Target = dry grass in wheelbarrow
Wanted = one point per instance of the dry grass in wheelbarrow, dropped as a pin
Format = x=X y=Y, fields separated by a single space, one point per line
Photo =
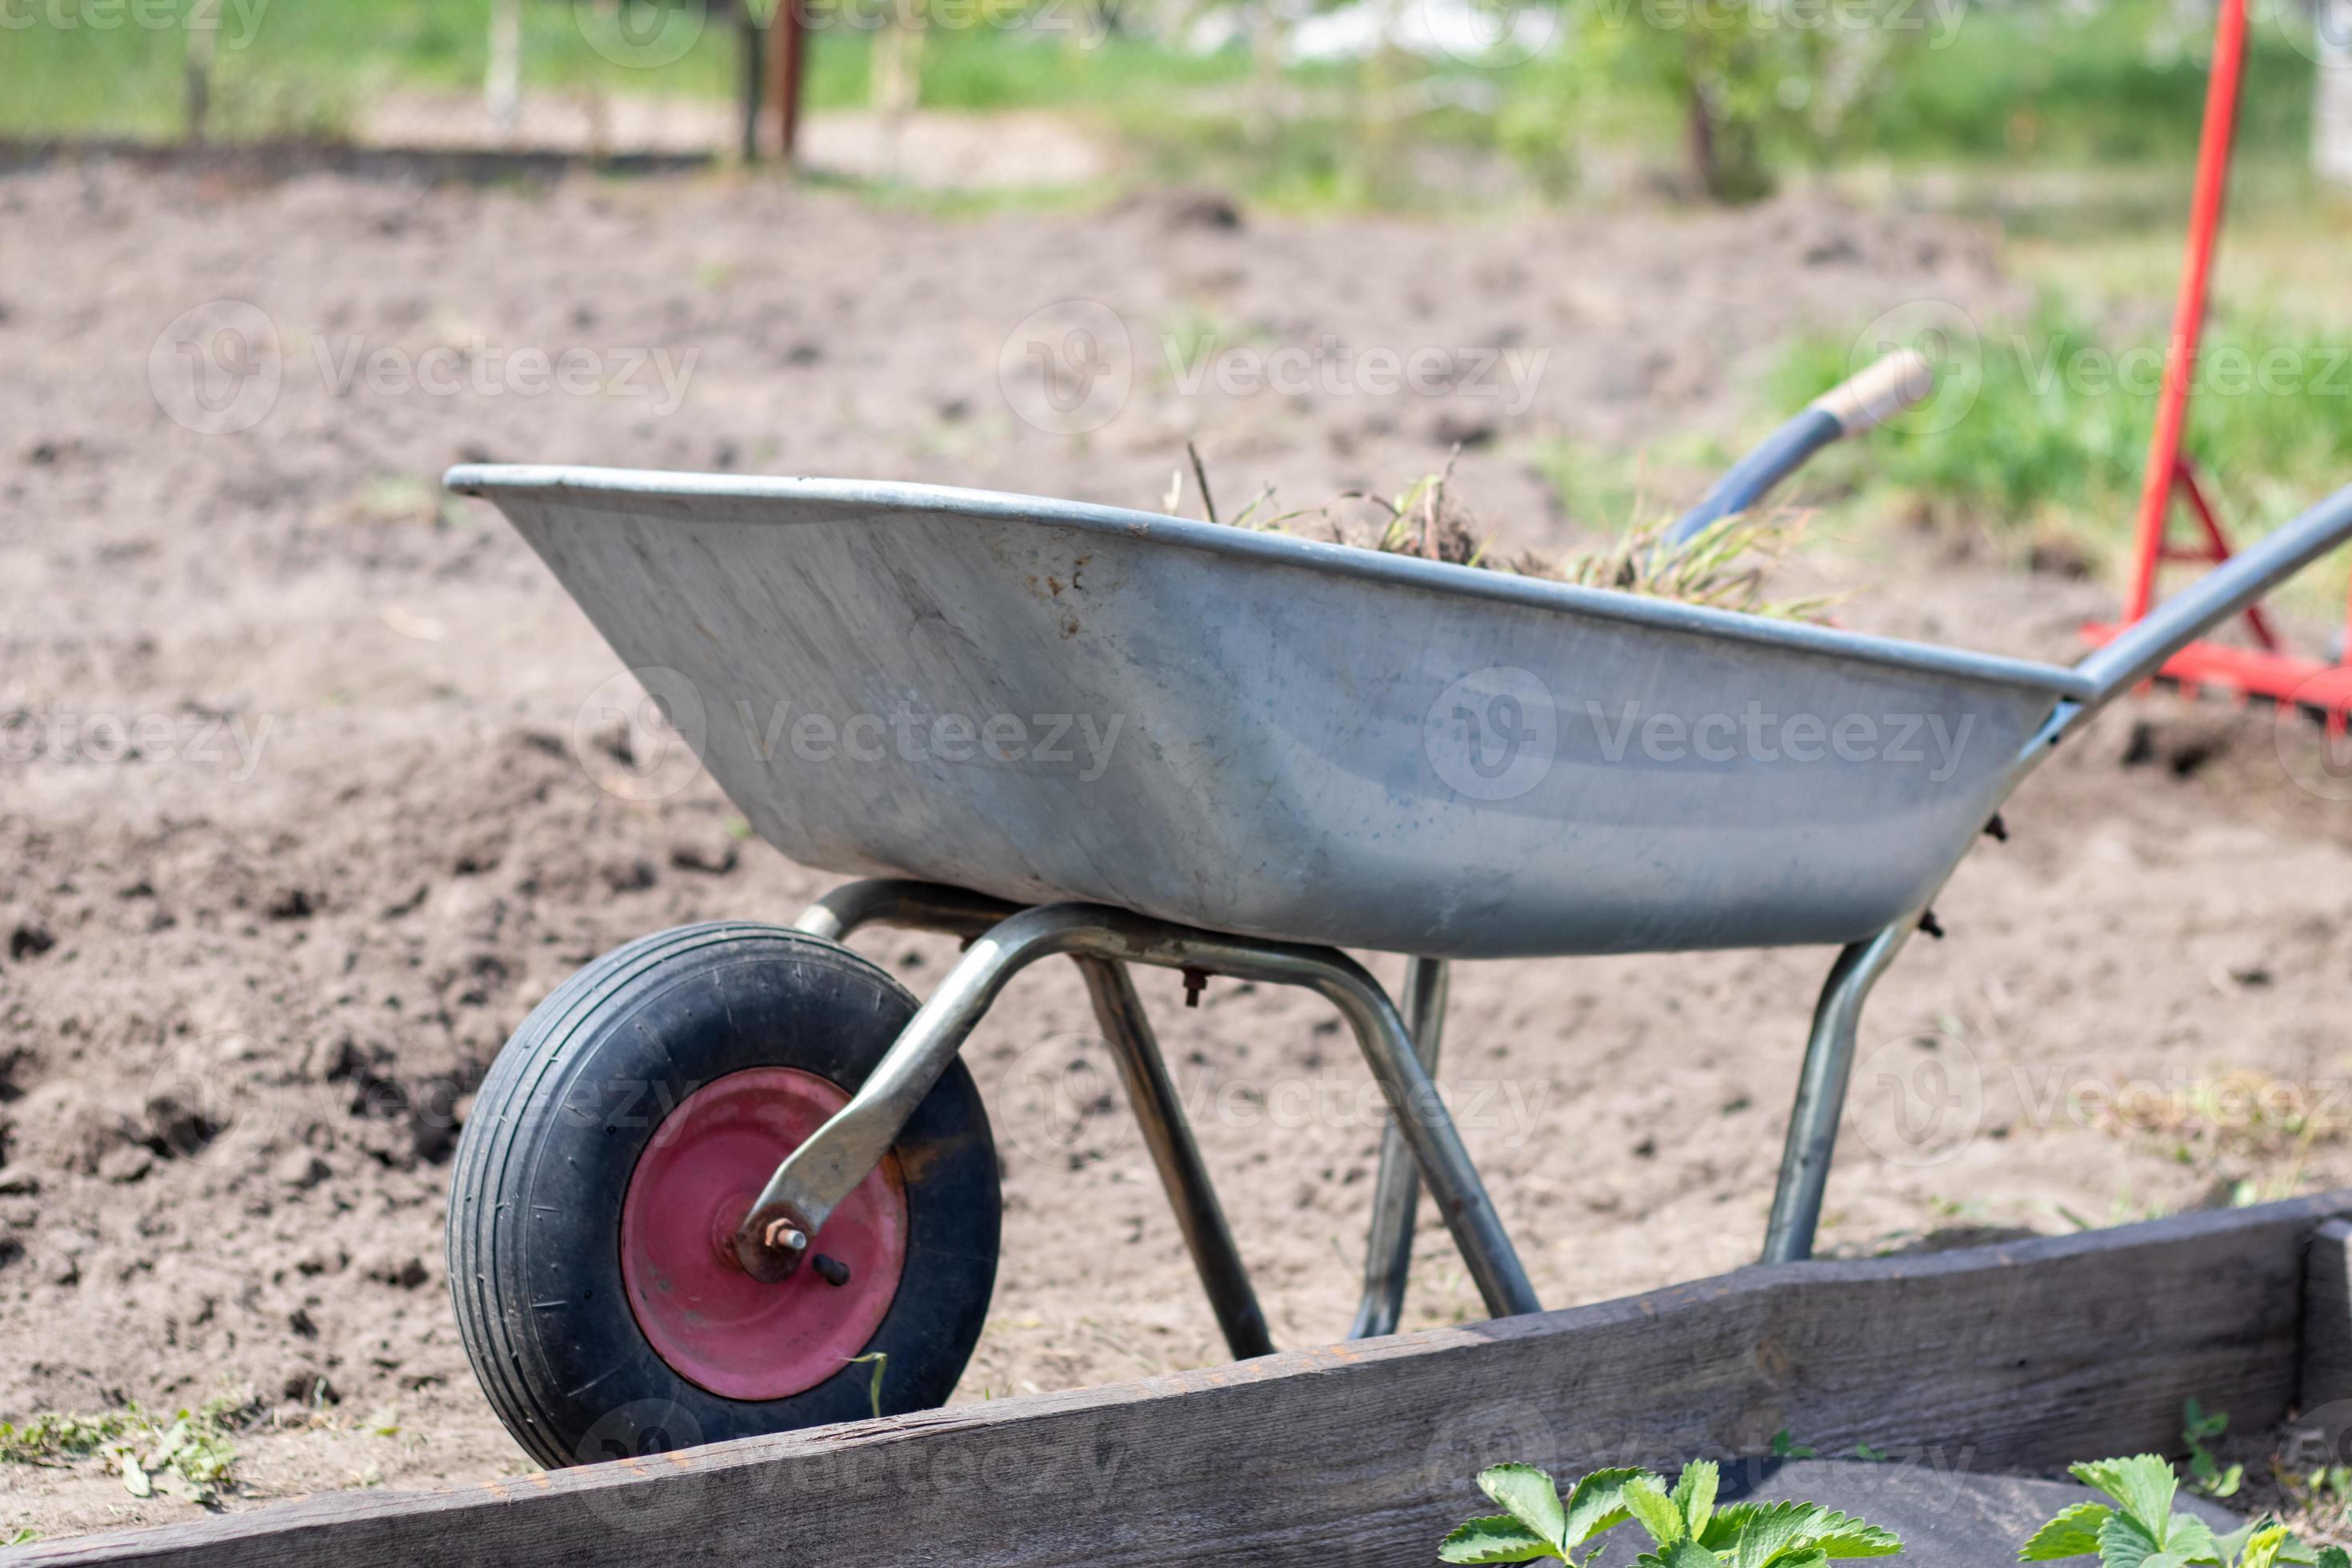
x=1727 y=566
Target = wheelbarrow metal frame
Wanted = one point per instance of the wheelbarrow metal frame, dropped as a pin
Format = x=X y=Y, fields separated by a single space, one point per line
x=808 y=1185
x=1159 y=1111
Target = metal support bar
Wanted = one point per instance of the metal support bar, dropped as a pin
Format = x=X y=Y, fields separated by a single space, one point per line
x=1821 y=1094
x=2136 y=654
x=891 y=901
x=1396 y=1193
x=1143 y=1071
x=814 y=1179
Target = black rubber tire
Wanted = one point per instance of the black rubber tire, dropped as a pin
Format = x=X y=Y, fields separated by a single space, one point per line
x=546 y=1156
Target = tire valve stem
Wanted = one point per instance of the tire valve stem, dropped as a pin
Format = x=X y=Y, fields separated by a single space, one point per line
x=832 y=1271
x=1931 y=925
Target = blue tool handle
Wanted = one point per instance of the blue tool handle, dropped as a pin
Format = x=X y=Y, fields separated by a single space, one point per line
x=1900 y=381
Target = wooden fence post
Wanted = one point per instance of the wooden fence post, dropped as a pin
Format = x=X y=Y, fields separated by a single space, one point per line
x=787 y=60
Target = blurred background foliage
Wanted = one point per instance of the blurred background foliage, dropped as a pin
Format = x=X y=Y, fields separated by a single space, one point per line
x=1272 y=99
x=2071 y=122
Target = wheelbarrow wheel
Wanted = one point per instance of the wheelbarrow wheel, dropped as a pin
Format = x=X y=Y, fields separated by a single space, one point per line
x=619 y=1138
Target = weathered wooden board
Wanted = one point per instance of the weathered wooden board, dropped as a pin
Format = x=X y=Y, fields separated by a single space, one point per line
x=2018 y=1357
x=2327 y=1328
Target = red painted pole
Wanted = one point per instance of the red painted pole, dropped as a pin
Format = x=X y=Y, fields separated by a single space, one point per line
x=2188 y=317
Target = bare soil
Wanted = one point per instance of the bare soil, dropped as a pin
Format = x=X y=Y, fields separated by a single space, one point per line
x=300 y=812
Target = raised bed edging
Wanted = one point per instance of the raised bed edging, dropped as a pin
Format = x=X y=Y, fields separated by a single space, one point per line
x=2017 y=1357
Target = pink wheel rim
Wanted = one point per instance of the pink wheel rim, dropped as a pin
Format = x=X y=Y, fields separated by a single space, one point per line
x=716 y=1326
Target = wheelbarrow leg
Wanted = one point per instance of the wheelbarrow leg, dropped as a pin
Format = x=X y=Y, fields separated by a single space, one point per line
x=1388 y=1254
x=818 y=1175
x=1820 y=1093
x=1143 y=1071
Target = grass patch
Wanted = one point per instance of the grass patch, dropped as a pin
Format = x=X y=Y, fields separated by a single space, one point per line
x=2122 y=83
x=2059 y=429
x=189 y=1454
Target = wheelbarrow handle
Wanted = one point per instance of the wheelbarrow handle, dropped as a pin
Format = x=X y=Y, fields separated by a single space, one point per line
x=1861 y=403
x=2142 y=648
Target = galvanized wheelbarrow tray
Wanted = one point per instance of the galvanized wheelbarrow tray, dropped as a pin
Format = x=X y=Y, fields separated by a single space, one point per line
x=1065 y=728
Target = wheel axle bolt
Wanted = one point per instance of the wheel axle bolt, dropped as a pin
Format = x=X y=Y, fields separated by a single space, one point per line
x=783 y=1232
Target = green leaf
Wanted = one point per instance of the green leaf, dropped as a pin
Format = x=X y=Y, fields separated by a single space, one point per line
x=2122 y=1544
x=1728 y=1522
x=1842 y=1535
x=1597 y=1502
x=134 y=1478
x=1680 y=1554
x=2334 y=1557
x=2073 y=1533
x=2263 y=1550
x=1498 y=1539
x=1527 y=1495
x=1690 y=1555
x=1695 y=1495
x=2190 y=1539
x=1656 y=1513
x=1800 y=1557
x=2146 y=1484
x=1756 y=1532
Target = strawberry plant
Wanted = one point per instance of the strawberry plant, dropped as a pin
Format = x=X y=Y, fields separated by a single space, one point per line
x=2205 y=1471
x=1683 y=1524
x=2140 y=1530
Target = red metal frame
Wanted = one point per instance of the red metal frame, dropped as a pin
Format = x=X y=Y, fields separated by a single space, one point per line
x=2267 y=671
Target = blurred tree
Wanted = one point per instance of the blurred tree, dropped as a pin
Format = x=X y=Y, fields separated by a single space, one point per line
x=1751 y=75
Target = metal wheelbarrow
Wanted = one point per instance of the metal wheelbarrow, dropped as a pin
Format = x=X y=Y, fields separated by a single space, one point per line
x=733 y=1178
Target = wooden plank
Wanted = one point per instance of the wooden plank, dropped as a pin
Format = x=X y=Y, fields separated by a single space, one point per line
x=2018 y=1357
x=2326 y=1384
